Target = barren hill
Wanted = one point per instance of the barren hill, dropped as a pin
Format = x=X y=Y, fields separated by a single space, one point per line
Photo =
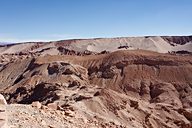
x=119 y=82
x=158 y=44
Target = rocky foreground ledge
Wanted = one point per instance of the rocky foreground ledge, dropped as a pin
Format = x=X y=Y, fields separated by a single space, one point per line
x=37 y=116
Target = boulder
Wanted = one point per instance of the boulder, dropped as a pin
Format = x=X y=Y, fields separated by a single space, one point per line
x=53 y=106
x=3 y=115
x=2 y=100
x=36 y=104
x=188 y=114
x=134 y=104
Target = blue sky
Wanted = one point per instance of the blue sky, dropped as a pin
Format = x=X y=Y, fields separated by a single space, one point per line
x=37 y=20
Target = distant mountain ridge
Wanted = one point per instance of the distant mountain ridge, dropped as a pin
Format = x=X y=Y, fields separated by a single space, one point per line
x=5 y=43
x=161 y=44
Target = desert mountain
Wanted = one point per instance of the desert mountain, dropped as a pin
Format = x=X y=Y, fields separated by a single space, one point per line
x=157 y=44
x=139 y=82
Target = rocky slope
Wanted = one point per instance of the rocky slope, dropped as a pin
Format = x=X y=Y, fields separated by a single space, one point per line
x=80 y=88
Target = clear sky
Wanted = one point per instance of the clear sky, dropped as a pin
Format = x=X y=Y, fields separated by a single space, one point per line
x=32 y=20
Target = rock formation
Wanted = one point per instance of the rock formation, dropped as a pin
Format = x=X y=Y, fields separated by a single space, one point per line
x=60 y=84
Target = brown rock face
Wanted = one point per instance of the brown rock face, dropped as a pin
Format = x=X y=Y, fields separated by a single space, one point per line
x=119 y=89
x=178 y=39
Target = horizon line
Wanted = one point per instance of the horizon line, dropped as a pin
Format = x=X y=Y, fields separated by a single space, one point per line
x=85 y=38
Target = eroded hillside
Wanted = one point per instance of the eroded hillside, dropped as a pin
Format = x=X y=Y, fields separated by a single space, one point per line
x=120 y=89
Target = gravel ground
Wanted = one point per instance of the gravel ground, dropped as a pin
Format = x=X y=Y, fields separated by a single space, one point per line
x=26 y=116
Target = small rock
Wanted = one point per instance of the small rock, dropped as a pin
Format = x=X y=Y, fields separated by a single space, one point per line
x=44 y=107
x=188 y=114
x=43 y=122
x=97 y=93
x=51 y=126
x=73 y=84
x=134 y=104
x=2 y=100
x=37 y=104
x=53 y=106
